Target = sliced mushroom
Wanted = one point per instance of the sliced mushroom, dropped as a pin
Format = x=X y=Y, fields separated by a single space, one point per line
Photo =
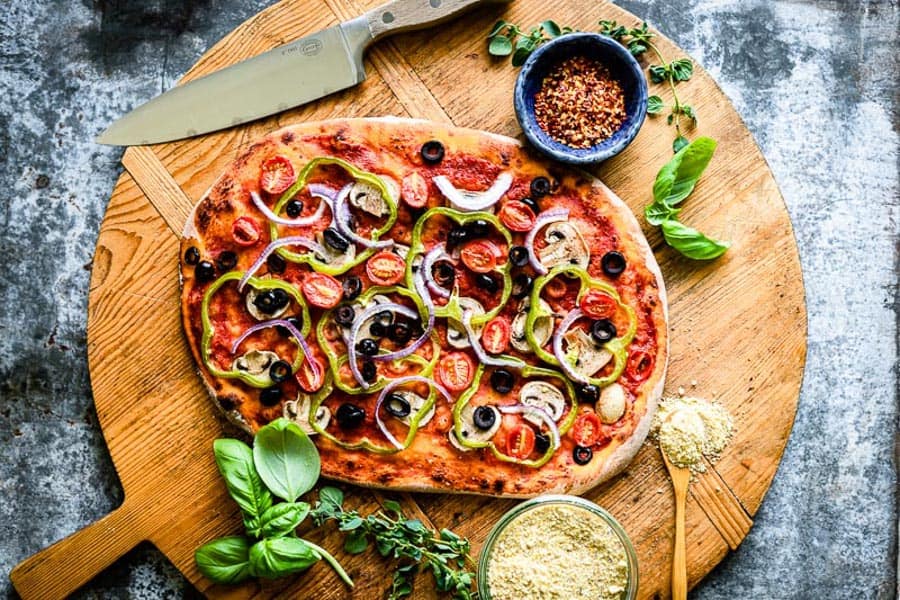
x=255 y=362
x=298 y=412
x=611 y=405
x=565 y=246
x=335 y=257
x=543 y=395
x=586 y=357
x=456 y=333
x=401 y=250
x=368 y=198
x=456 y=443
x=416 y=402
x=543 y=326
x=250 y=302
x=467 y=424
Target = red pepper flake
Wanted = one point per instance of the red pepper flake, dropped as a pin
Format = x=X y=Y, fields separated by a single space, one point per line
x=580 y=103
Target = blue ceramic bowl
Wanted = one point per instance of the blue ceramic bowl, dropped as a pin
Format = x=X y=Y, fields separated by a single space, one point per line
x=621 y=65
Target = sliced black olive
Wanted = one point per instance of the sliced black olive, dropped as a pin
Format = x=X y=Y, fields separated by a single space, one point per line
x=275 y=263
x=400 y=333
x=226 y=260
x=204 y=271
x=486 y=282
x=518 y=256
x=588 y=393
x=540 y=187
x=384 y=318
x=369 y=371
x=484 y=417
x=397 y=405
x=265 y=301
x=541 y=442
x=297 y=322
x=531 y=203
x=502 y=381
x=350 y=416
x=367 y=347
x=281 y=298
x=293 y=208
x=279 y=371
x=613 y=263
x=478 y=229
x=432 y=152
x=335 y=239
x=192 y=255
x=603 y=330
x=352 y=286
x=582 y=455
x=344 y=315
x=377 y=329
x=443 y=274
x=270 y=396
x=457 y=236
x=521 y=285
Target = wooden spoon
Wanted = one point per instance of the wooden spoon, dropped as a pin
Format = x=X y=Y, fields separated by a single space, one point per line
x=680 y=477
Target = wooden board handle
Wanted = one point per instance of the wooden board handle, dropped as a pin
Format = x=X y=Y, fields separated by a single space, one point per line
x=59 y=570
x=404 y=15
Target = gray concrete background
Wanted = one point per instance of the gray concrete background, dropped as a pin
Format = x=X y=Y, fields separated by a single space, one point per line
x=815 y=82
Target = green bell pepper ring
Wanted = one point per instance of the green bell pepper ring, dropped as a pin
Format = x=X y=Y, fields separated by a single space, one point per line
x=258 y=284
x=618 y=346
x=417 y=247
x=527 y=371
x=309 y=257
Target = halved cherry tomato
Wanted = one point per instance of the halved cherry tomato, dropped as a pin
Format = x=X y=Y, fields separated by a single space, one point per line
x=322 y=290
x=305 y=378
x=586 y=430
x=495 y=335
x=480 y=256
x=517 y=216
x=277 y=175
x=414 y=190
x=639 y=366
x=556 y=288
x=456 y=371
x=520 y=441
x=599 y=305
x=245 y=231
x=385 y=268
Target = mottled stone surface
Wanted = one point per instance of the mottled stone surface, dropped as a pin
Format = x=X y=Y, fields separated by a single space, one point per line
x=815 y=82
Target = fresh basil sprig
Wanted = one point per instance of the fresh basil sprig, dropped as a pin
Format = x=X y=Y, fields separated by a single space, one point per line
x=675 y=182
x=283 y=463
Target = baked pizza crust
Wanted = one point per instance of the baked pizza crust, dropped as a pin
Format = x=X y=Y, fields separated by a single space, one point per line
x=429 y=473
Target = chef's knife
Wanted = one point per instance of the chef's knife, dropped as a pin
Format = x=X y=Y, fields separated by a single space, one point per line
x=287 y=76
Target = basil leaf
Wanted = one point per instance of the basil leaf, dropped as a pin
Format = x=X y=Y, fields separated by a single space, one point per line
x=286 y=460
x=677 y=178
x=655 y=105
x=225 y=560
x=282 y=556
x=678 y=143
x=657 y=213
x=691 y=242
x=235 y=461
x=283 y=518
x=500 y=46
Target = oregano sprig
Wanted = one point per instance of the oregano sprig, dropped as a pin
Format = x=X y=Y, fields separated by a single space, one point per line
x=507 y=38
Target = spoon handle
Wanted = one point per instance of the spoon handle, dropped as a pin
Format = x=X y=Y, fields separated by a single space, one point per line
x=679 y=563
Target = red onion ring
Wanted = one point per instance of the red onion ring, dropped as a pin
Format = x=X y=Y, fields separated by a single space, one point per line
x=439 y=252
x=557 y=346
x=392 y=386
x=299 y=222
x=304 y=347
x=360 y=320
x=342 y=215
x=483 y=356
x=471 y=201
x=518 y=409
x=294 y=240
x=543 y=219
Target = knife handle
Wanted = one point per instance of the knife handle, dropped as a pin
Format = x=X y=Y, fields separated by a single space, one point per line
x=405 y=15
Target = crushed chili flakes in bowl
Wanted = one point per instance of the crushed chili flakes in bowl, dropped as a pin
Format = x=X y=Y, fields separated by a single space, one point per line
x=580 y=103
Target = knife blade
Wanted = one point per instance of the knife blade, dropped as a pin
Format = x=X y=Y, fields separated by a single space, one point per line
x=287 y=76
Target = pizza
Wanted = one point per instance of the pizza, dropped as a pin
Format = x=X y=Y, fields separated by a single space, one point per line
x=437 y=307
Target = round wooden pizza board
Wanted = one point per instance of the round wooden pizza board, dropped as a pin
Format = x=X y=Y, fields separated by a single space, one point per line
x=738 y=324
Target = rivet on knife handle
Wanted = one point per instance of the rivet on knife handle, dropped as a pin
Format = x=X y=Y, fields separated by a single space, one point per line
x=404 y=15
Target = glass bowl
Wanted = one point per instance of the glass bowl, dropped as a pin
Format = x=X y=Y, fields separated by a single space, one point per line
x=631 y=586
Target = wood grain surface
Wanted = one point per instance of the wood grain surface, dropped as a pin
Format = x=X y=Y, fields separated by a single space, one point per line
x=738 y=324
